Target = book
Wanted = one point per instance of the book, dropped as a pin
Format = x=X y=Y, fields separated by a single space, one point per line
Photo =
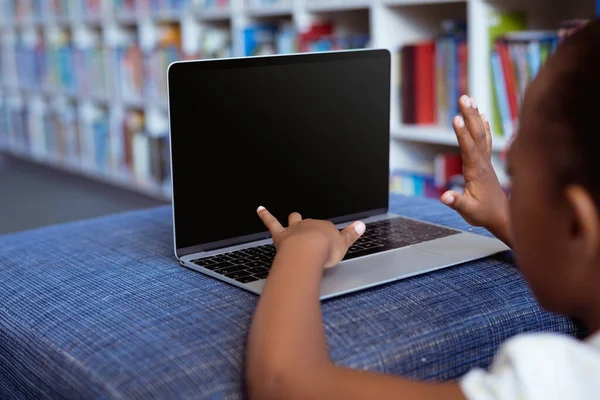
x=502 y=106
x=510 y=82
x=501 y=23
x=447 y=166
x=408 y=84
x=424 y=88
x=126 y=59
x=515 y=61
x=157 y=128
x=433 y=75
x=125 y=6
x=463 y=68
x=321 y=36
x=133 y=124
x=260 y=39
x=165 y=50
x=452 y=58
x=441 y=78
x=92 y=8
x=410 y=183
x=88 y=62
x=141 y=159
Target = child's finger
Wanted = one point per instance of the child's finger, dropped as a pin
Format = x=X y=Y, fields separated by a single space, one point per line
x=352 y=232
x=488 y=132
x=470 y=112
x=294 y=218
x=269 y=220
x=465 y=141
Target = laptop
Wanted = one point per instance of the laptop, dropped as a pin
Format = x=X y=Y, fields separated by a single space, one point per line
x=307 y=133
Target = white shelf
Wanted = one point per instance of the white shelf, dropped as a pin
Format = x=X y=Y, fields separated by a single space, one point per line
x=123 y=181
x=126 y=18
x=144 y=103
x=165 y=16
x=437 y=135
x=274 y=10
x=322 y=6
x=58 y=93
x=419 y=2
x=214 y=14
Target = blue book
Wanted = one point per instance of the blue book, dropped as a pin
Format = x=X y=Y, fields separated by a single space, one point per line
x=534 y=58
x=453 y=95
x=260 y=40
x=100 y=131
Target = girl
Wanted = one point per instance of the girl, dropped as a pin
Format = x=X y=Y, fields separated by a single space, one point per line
x=552 y=221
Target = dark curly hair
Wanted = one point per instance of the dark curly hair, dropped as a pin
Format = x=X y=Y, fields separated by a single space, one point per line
x=571 y=109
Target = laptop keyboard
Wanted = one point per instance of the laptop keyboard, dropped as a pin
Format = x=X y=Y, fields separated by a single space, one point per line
x=253 y=264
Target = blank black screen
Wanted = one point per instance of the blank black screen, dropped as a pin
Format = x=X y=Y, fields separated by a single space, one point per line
x=306 y=133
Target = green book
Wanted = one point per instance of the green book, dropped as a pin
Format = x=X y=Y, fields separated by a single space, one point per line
x=500 y=24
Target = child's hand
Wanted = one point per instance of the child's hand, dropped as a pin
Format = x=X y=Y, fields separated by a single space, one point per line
x=483 y=203
x=321 y=234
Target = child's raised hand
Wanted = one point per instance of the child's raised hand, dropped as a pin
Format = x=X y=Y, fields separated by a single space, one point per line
x=483 y=203
x=321 y=234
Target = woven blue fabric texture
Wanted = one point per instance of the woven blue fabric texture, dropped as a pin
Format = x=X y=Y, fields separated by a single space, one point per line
x=101 y=309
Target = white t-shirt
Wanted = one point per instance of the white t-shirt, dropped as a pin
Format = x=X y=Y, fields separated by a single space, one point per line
x=542 y=366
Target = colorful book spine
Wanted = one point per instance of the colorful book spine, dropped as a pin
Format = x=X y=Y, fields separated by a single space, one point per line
x=433 y=75
x=510 y=81
x=407 y=101
x=425 y=93
x=500 y=24
x=409 y=183
x=500 y=95
x=260 y=39
x=441 y=78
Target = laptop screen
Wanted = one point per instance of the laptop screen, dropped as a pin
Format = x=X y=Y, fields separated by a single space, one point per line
x=306 y=133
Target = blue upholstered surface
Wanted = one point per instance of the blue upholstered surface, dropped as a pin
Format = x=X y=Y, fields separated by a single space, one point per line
x=102 y=309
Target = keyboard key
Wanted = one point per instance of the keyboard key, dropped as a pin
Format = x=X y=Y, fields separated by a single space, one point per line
x=238 y=261
x=232 y=269
x=216 y=266
x=238 y=275
x=371 y=245
x=247 y=279
x=258 y=270
x=264 y=275
x=221 y=258
x=255 y=257
x=355 y=248
x=255 y=264
x=205 y=261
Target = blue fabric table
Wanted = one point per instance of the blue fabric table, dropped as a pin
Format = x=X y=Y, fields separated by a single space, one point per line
x=101 y=309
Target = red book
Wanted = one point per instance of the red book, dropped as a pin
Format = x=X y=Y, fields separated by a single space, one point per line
x=463 y=68
x=447 y=166
x=510 y=79
x=425 y=90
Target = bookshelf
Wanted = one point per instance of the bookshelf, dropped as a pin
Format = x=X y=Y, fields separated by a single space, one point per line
x=116 y=38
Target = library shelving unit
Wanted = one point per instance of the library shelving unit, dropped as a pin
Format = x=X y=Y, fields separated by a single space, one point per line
x=108 y=122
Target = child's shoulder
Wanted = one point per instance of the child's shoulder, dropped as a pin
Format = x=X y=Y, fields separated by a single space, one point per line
x=539 y=365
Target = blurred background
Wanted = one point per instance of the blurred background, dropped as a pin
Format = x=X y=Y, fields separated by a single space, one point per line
x=83 y=104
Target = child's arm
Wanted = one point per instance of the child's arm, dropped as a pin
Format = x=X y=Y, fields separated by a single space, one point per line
x=483 y=203
x=287 y=354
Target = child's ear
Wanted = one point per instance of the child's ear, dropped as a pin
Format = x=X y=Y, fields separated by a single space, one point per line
x=584 y=237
